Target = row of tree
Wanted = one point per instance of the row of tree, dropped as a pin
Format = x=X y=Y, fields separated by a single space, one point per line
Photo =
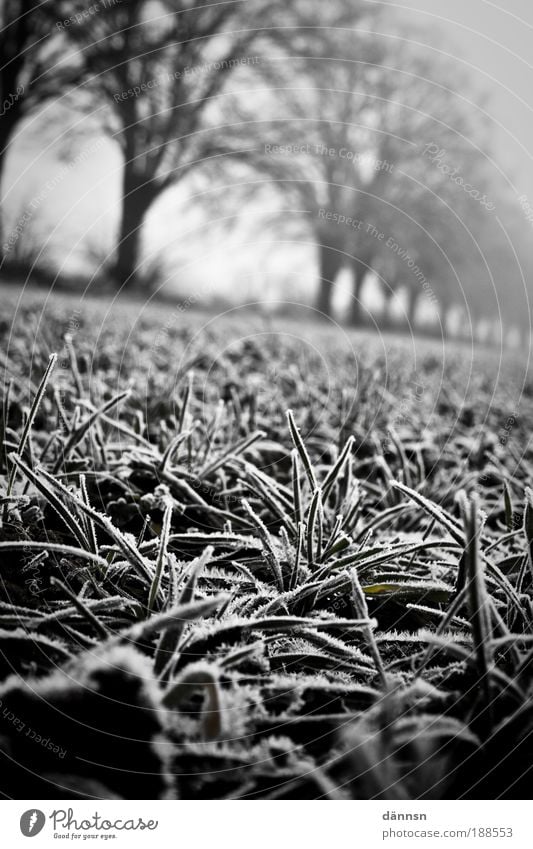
x=373 y=140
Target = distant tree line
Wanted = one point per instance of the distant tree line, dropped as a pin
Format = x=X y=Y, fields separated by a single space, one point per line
x=378 y=144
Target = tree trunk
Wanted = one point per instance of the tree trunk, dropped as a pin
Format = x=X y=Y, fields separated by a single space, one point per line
x=8 y=123
x=136 y=200
x=413 y=295
x=330 y=263
x=524 y=337
x=3 y=152
x=444 y=314
x=386 y=318
x=359 y=272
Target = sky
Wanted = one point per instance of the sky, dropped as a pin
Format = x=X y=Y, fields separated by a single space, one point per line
x=492 y=41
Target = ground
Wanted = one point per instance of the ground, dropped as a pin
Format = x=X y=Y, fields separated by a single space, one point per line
x=252 y=557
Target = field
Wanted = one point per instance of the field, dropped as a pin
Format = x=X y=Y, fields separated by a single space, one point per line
x=244 y=557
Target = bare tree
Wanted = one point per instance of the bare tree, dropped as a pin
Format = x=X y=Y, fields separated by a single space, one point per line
x=157 y=69
x=498 y=286
x=416 y=205
x=352 y=141
x=307 y=132
x=33 y=64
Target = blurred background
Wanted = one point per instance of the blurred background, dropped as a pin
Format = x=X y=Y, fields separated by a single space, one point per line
x=367 y=159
